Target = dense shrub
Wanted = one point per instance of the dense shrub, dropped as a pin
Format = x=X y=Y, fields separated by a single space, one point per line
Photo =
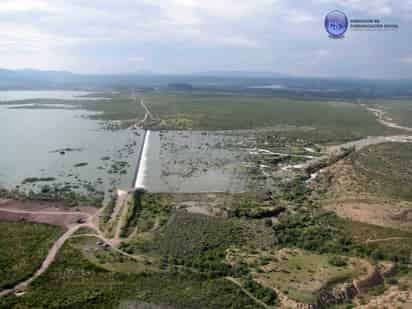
x=267 y=295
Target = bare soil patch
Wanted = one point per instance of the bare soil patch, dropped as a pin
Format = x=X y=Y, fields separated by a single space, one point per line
x=53 y=213
x=210 y=204
x=392 y=298
x=347 y=197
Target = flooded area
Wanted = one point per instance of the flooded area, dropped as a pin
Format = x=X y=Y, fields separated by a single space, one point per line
x=61 y=145
x=194 y=161
x=204 y=161
x=44 y=147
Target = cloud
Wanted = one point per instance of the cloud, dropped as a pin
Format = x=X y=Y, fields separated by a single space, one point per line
x=299 y=16
x=136 y=59
x=195 y=35
x=23 y=6
x=369 y=7
x=406 y=60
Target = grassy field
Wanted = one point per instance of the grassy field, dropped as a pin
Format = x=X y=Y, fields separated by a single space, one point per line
x=325 y=233
x=74 y=282
x=313 y=119
x=397 y=249
x=199 y=242
x=194 y=240
x=121 y=107
x=388 y=167
x=299 y=274
x=246 y=112
x=154 y=211
x=23 y=247
x=339 y=120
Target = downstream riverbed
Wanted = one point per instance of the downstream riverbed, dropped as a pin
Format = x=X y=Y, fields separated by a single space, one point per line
x=204 y=161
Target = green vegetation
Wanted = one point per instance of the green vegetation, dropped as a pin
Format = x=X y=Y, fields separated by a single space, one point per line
x=296 y=192
x=146 y=212
x=313 y=120
x=337 y=261
x=321 y=121
x=104 y=257
x=121 y=107
x=182 y=258
x=59 y=192
x=193 y=240
x=155 y=211
x=267 y=295
x=74 y=282
x=397 y=250
x=118 y=167
x=299 y=274
x=322 y=233
x=68 y=149
x=133 y=210
x=85 y=230
x=400 y=111
x=81 y=164
x=108 y=209
x=388 y=169
x=213 y=112
x=36 y=179
x=326 y=233
x=23 y=247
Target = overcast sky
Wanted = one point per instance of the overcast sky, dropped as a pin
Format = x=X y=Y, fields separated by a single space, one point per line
x=181 y=36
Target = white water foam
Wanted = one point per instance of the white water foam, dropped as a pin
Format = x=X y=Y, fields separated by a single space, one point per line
x=141 y=172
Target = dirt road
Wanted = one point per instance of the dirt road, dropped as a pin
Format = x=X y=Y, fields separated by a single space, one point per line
x=51 y=256
x=148 y=112
x=68 y=219
x=71 y=222
x=250 y=295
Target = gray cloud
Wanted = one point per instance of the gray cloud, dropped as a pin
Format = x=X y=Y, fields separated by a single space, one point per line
x=285 y=36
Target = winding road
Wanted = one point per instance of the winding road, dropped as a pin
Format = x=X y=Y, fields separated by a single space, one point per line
x=51 y=256
x=71 y=230
x=113 y=243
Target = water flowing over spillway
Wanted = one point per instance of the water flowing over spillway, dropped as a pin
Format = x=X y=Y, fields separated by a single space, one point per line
x=142 y=162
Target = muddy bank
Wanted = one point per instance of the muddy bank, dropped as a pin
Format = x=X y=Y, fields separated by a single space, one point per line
x=43 y=212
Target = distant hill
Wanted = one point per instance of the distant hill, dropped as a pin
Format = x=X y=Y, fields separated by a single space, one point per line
x=33 y=79
x=180 y=86
x=236 y=82
x=30 y=79
x=243 y=74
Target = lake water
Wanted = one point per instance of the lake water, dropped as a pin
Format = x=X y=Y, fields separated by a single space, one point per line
x=12 y=95
x=65 y=144
x=193 y=162
x=31 y=140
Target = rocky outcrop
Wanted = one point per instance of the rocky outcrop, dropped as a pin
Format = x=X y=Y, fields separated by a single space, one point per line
x=259 y=212
x=347 y=291
x=338 y=295
x=344 y=292
x=388 y=269
x=373 y=278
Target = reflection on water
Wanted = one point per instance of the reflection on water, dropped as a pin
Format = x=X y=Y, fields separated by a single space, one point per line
x=75 y=150
x=51 y=142
x=191 y=162
x=12 y=95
